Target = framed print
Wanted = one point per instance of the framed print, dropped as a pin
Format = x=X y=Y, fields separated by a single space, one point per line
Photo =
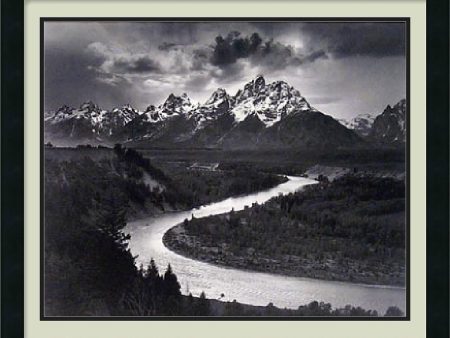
x=192 y=165
x=189 y=171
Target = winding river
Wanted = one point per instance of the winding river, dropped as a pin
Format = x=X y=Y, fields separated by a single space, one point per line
x=250 y=287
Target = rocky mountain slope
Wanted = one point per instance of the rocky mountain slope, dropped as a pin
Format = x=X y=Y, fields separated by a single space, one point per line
x=390 y=126
x=88 y=123
x=260 y=115
x=361 y=124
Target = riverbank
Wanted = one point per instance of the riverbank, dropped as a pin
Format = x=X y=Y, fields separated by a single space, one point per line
x=178 y=241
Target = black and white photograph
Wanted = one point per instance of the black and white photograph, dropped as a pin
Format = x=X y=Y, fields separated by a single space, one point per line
x=240 y=168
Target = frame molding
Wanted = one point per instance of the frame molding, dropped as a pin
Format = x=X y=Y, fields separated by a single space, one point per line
x=12 y=146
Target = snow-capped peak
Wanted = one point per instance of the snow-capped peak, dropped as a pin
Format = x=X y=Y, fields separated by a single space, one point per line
x=258 y=84
x=252 y=88
x=270 y=102
x=64 y=108
x=361 y=123
x=217 y=98
x=121 y=116
x=89 y=106
x=172 y=106
x=219 y=103
x=176 y=104
x=62 y=113
x=257 y=100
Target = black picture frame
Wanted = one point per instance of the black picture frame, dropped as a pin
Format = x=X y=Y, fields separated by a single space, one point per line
x=12 y=174
x=12 y=170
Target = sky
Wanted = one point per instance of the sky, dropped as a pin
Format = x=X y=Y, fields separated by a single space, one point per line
x=342 y=68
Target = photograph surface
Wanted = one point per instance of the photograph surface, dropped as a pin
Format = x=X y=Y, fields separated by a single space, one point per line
x=225 y=168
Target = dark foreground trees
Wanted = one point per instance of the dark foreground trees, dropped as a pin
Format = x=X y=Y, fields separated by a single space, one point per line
x=88 y=268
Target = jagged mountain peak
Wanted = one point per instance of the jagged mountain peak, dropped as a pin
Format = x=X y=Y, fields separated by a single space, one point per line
x=401 y=103
x=261 y=114
x=399 y=107
x=259 y=79
x=390 y=125
x=89 y=105
x=89 y=112
x=125 y=108
x=64 y=109
x=257 y=84
x=174 y=100
x=218 y=104
x=252 y=88
x=173 y=106
x=361 y=124
x=269 y=101
x=150 y=108
x=219 y=94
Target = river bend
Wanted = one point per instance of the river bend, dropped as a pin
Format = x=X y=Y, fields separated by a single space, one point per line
x=250 y=287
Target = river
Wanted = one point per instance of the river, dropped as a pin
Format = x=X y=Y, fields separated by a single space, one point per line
x=250 y=287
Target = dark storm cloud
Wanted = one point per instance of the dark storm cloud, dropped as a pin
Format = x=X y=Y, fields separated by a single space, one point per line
x=168 y=46
x=124 y=63
x=227 y=50
x=275 y=55
x=350 y=39
x=139 y=64
x=263 y=52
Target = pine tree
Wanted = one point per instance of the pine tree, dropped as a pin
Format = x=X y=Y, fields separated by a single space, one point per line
x=110 y=215
x=202 y=306
x=171 y=285
x=152 y=270
x=171 y=293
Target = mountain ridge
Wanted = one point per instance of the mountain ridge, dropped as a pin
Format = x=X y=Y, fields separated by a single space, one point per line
x=387 y=127
x=259 y=115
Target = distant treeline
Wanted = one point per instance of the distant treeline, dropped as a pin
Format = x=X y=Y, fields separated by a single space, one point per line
x=205 y=187
x=194 y=188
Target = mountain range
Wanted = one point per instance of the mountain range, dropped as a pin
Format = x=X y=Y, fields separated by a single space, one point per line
x=258 y=116
x=390 y=126
x=387 y=127
x=361 y=124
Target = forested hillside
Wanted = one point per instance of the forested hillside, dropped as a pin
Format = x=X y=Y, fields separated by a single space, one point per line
x=88 y=267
